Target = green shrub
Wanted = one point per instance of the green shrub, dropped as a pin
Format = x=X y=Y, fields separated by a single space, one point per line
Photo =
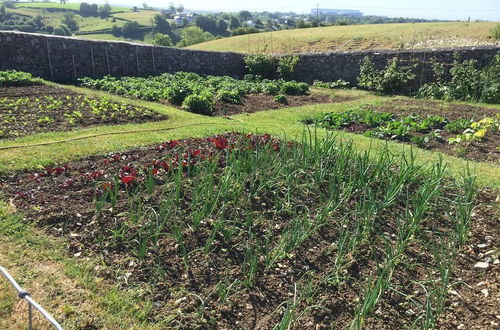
x=176 y=93
x=466 y=82
x=458 y=126
x=392 y=79
x=229 y=96
x=201 y=103
x=281 y=99
x=270 y=88
x=261 y=65
x=13 y=78
x=341 y=84
x=286 y=66
x=294 y=88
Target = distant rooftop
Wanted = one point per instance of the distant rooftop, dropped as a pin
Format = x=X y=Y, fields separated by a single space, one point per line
x=345 y=12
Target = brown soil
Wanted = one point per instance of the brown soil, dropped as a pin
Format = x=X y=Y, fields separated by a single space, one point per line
x=467 y=306
x=61 y=200
x=451 y=111
x=37 y=103
x=258 y=102
x=261 y=102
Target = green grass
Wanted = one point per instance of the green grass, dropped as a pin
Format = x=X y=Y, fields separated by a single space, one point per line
x=356 y=37
x=71 y=6
x=282 y=122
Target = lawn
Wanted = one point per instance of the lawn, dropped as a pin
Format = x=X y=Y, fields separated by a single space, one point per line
x=358 y=37
x=195 y=220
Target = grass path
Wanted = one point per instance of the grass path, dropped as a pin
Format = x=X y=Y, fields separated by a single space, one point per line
x=67 y=286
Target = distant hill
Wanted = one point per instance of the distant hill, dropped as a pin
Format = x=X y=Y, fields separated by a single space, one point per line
x=358 y=37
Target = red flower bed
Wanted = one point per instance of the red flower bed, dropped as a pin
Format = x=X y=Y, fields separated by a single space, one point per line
x=128 y=168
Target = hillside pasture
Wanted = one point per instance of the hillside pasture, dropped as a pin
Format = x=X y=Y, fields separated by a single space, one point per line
x=358 y=37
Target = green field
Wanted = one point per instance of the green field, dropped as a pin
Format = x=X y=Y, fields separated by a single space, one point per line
x=357 y=37
x=71 y=6
x=119 y=16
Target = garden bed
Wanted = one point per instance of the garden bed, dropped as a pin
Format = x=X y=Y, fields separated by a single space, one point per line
x=462 y=130
x=213 y=95
x=35 y=109
x=259 y=102
x=246 y=231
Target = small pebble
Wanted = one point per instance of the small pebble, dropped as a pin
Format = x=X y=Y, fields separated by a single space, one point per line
x=482 y=265
x=485 y=293
x=482 y=246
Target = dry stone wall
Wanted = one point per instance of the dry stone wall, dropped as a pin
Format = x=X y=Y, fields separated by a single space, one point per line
x=64 y=59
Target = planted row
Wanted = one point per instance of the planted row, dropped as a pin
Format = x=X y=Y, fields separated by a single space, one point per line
x=420 y=130
x=62 y=111
x=236 y=229
x=194 y=92
x=13 y=78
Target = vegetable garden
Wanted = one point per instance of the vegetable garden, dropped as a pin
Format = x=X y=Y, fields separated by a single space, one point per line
x=474 y=136
x=211 y=95
x=302 y=228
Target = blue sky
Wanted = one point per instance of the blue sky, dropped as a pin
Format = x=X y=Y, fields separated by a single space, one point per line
x=442 y=9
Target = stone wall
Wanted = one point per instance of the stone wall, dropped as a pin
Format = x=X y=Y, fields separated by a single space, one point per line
x=345 y=65
x=64 y=59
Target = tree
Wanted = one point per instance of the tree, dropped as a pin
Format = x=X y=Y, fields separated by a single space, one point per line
x=38 y=22
x=131 y=30
x=161 y=25
x=221 y=26
x=63 y=2
x=162 y=40
x=62 y=30
x=145 y=5
x=234 y=23
x=2 y=11
x=135 y=9
x=94 y=10
x=70 y=21
x=116 y=30
x=104 y=10
x=206 y=23
x=84 y=9
x=194 y=35
x=245 y=15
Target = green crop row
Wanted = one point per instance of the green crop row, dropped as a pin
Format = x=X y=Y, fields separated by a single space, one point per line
x=196 y=93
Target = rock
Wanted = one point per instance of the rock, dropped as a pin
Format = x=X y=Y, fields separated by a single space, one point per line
x=485 y=293
x=496 y=262
x=481 y=265
x=488 y=238
x=489 y=253
x=482 y=246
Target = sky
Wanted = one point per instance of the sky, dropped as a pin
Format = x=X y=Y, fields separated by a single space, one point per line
x=439 y=9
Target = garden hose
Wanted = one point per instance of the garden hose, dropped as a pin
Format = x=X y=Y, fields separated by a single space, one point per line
x=102 y=134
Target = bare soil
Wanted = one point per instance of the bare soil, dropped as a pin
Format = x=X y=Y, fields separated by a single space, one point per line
x=259 y=102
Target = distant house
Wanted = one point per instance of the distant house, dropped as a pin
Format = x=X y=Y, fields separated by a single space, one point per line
x=179 y=18
x=344 y=12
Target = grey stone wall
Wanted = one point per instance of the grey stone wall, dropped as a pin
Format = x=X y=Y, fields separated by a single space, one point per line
x=64 y=59
x=345 y=65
